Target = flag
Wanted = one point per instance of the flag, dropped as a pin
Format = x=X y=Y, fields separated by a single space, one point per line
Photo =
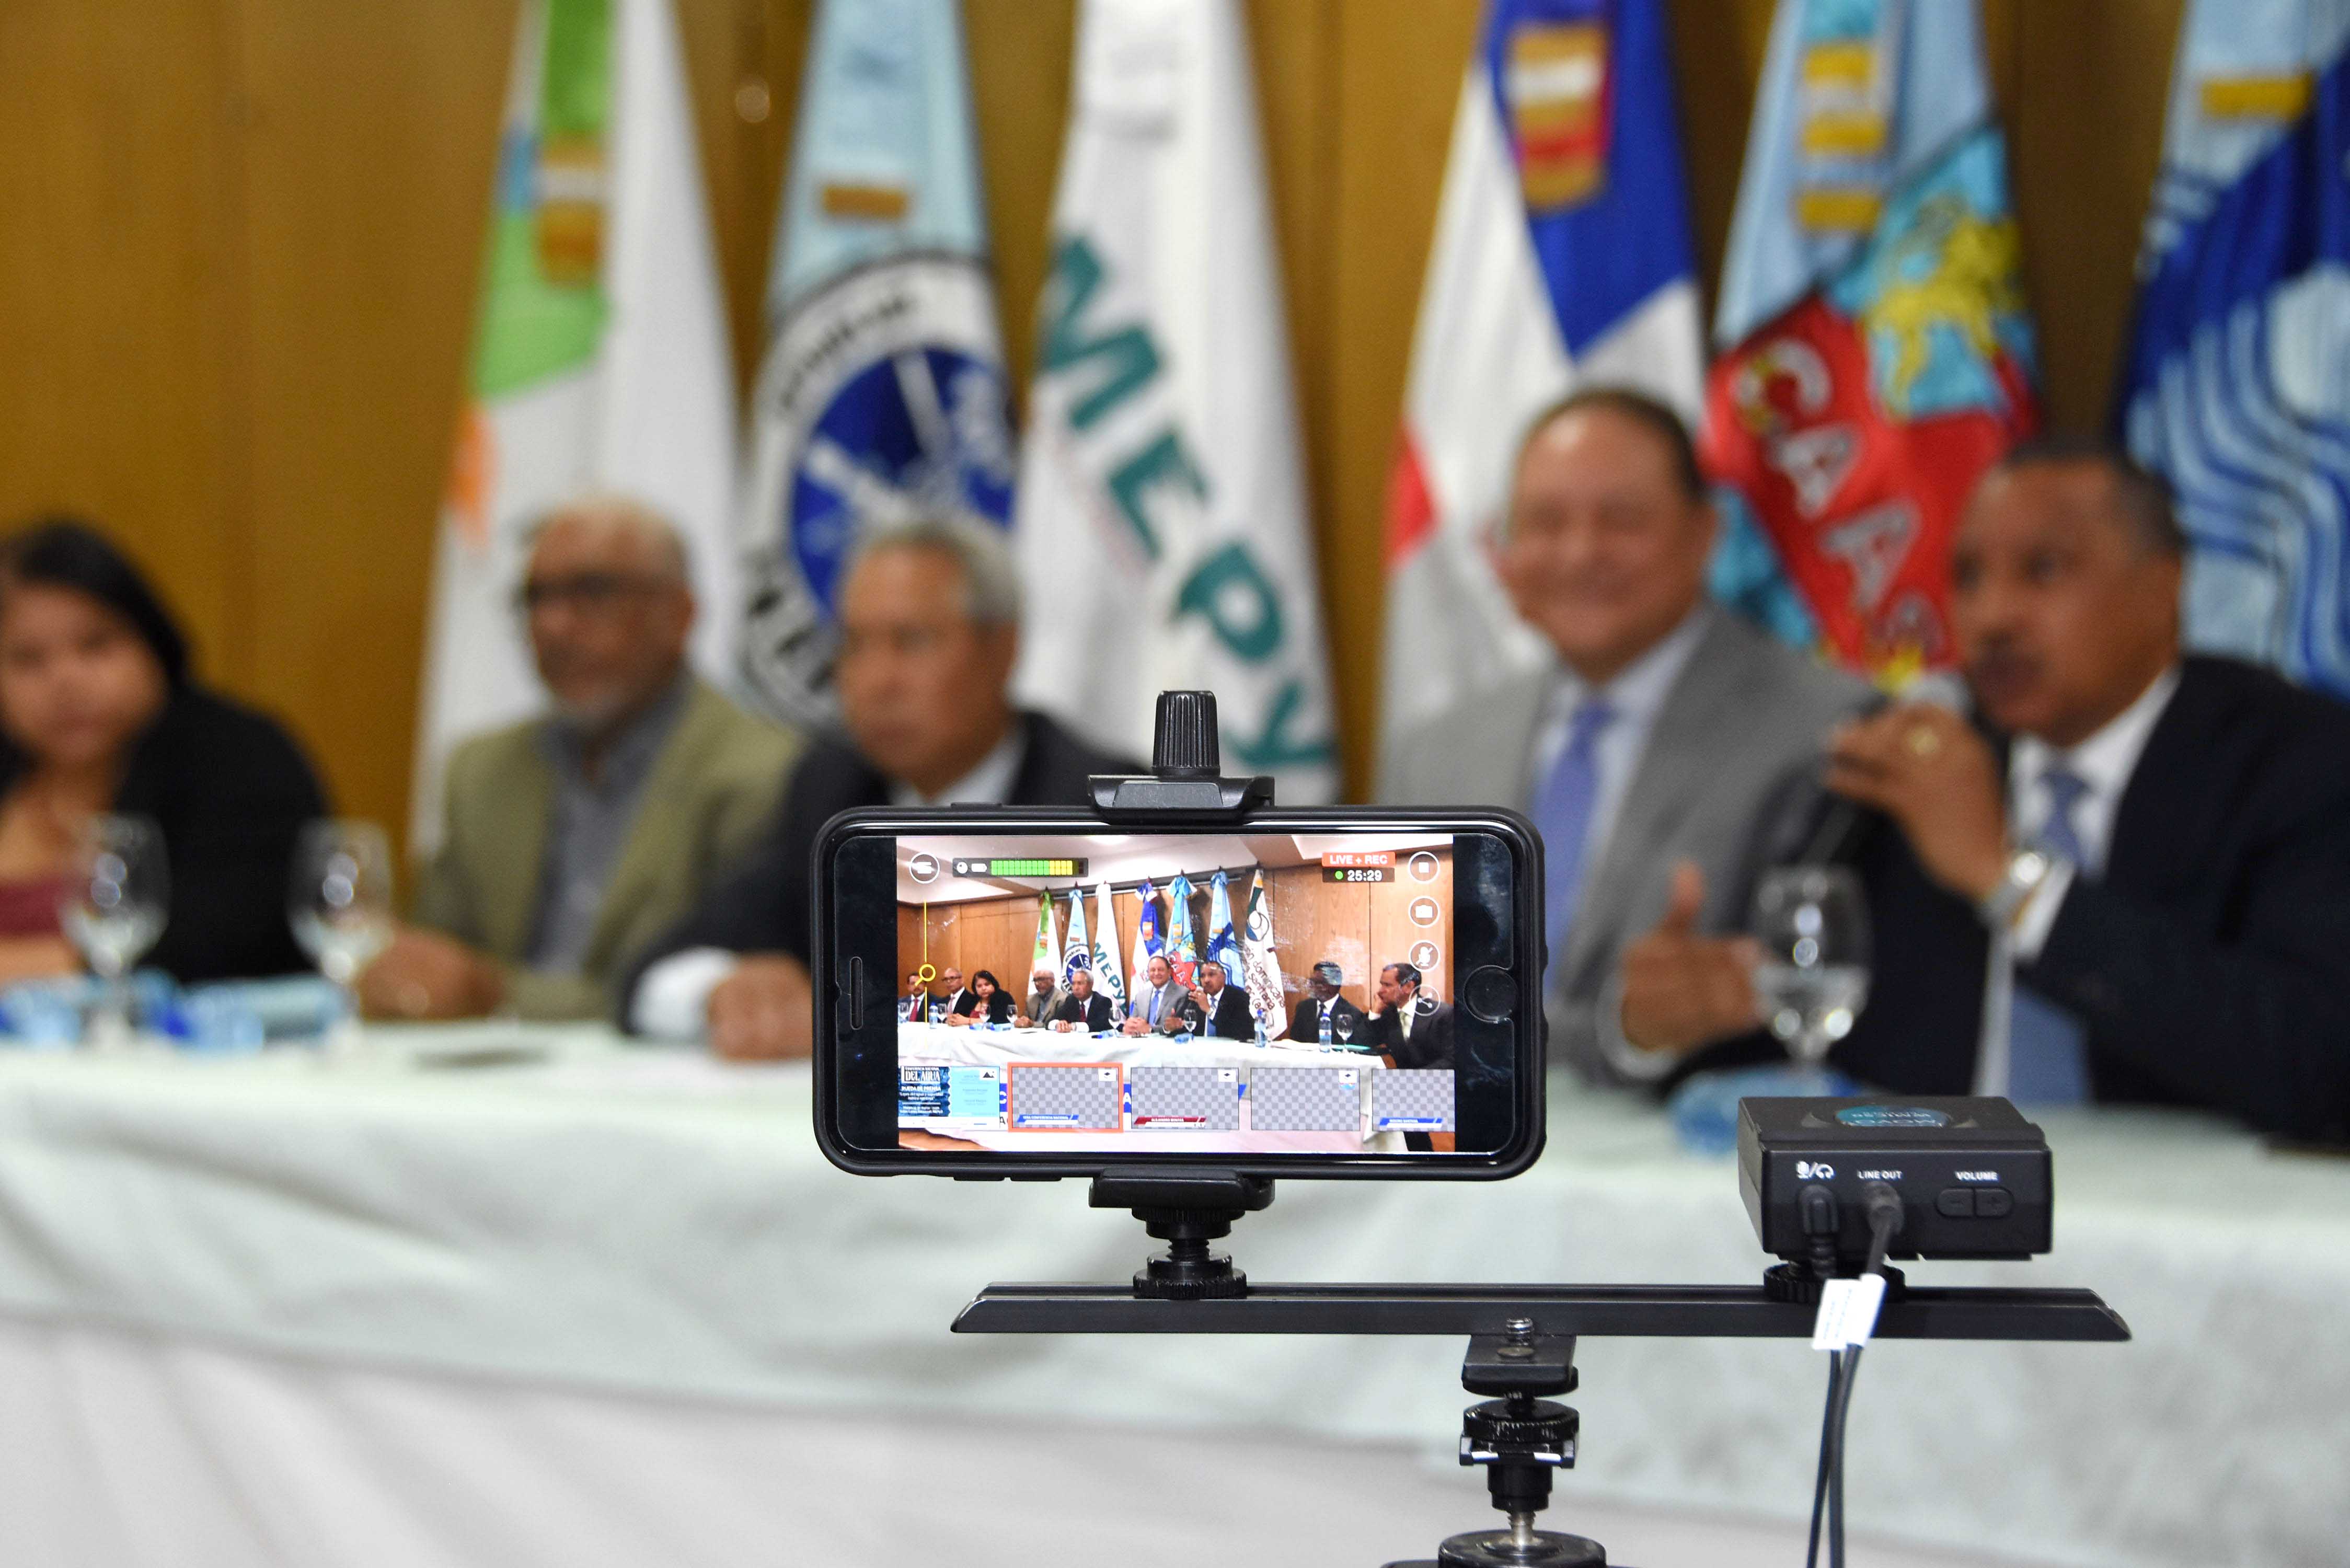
x=1079 y=953
x=1107 y=973
x=1047 y=954
x=2237 y=387
x=1224 y=943
x=1181 y=953
x=1562 y=257
x=1147 y=944
x=881 y=392
x=1875 y=354
x=1160 y=484
x=599 y=357
x=1261 y=966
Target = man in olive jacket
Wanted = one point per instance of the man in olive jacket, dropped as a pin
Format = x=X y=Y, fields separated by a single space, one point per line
x=571 y=841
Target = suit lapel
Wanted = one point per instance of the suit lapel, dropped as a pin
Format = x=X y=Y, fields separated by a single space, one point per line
x=2161 y=822
x=1662 y=789
x=513 y=853
x=661 y=830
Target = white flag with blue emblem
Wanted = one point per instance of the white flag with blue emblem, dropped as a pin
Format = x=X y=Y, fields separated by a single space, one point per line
x=881 y=394
x=1223 y=941
x=1159 y=486
x=2238 y=384
x=1110 y=975
x=1079 y=953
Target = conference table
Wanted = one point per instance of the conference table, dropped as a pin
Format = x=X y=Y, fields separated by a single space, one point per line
x=529 y=1295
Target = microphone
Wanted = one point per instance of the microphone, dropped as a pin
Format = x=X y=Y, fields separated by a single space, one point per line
x=1845 y=826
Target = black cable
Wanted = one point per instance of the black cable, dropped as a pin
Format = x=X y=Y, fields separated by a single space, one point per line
x=1827 y=1434
x=1835 y=1473
x=1883 y=1206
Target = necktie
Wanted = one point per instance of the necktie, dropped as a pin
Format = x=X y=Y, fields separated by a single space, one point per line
x=1208 y=1029
x=2047 y=1060
x=1562 y=814
x=1158 y=1000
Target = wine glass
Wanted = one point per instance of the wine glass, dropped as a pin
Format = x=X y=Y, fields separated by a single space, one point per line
x=1342 y=1024
x=339 y=902
x=112 y=910
x=1811 y=922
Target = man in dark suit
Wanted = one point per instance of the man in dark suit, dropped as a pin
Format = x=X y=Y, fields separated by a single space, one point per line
x=1322 y=1003
x=914 y=1007
x=1083 y=1010
x=1223 y=1007
x=929 y=615
x=1407 y=1030
x=960 y=997
x=2136 y=887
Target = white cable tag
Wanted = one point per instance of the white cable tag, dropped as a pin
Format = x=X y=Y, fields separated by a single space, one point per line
x=1847 y=1311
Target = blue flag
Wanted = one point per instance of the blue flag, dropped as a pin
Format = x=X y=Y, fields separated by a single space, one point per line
x=881 y=391
x=1223 y=941
x=2237 y=387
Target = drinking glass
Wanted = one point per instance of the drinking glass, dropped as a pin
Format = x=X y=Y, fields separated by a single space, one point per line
x=1813 y=924
x=1342 y=1024
x=339 y=902
x=112 y=910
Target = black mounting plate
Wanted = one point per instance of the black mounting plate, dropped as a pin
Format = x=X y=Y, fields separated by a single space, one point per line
x=1693 y=1311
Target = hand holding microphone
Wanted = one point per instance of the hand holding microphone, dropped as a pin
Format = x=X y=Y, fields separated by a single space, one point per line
x=1924 y=767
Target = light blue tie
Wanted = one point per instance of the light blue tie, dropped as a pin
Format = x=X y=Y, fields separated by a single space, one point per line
x=1157 y=999
x=1562 y=814
x=2047 y=1054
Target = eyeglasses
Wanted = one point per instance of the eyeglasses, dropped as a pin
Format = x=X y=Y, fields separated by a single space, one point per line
x=591 y=593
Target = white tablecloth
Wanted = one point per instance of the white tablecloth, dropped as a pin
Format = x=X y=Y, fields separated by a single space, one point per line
x=649 y=1225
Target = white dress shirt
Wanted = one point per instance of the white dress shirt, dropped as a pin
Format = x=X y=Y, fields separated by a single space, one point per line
x=2104 y=763
x=672 y=1000
x=1637 y=695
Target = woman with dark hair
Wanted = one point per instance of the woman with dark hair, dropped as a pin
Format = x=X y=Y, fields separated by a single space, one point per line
x=98 y=715
x=984 y=1002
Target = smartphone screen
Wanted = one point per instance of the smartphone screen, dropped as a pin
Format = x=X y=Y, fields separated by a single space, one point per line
x=1263 y=996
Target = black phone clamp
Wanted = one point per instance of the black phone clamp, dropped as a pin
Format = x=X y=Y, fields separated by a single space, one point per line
x=1186 y=1209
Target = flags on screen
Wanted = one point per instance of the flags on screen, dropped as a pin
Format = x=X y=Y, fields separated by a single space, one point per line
x=1106 y=972
x=1182 y=952
x=1261 y=966
x=1048 y=952
x=1147 y=941
x=1079 y=952
x=881 y=392
x=2236 y=388
x=1875 y=353
x=599 y=356
x=1223 y=942
x=1562 y=256
x=1159 y=483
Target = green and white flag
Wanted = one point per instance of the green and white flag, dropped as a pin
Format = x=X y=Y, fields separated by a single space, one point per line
x=599 y=358
x=1160 y=508
x=1047 y=954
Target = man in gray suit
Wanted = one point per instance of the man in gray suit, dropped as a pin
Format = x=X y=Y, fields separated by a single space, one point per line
x=1162 y=1007
x=1665 y=751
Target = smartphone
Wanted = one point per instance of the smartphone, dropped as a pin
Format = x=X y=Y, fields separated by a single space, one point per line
x=1353 y=991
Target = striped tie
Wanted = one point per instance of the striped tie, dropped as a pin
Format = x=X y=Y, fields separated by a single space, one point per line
x=2047 y=1055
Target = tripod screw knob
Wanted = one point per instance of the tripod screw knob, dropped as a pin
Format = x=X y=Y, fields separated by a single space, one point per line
x=1185 y=743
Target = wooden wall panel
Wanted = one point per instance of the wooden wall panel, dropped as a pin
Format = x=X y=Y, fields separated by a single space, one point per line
x=236 y=278
x=119 y=292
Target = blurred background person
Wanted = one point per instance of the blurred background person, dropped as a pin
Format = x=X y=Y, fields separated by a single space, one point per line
x=1319 y=1012
x=1223 y=1007
x=99 y=714
x=1669 y=740
x=2132 y=882
x=1083 y=1010
x=984 y=1002
x=571 y=841
x=1044 y=995
x=930 y=621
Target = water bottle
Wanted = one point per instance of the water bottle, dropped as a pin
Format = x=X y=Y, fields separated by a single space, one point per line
x=1326 y=1026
